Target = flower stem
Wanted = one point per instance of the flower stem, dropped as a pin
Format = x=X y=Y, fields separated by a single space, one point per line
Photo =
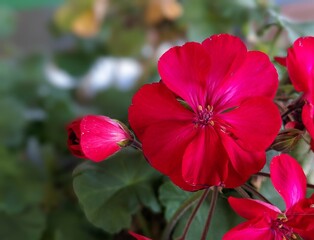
x=136 y=144
x=255 y=192
x=275 y=39
x=298 y=103
x=268 y=175
x=143 y=224
x=211 y=212
x=242 y=192
x=187 y=226
x=178 y=214
x=262 y=174
x=310 y=185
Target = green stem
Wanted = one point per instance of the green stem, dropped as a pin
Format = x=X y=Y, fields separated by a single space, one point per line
x=143 y=224
x=211 y=212
x=178 y=214
x=187 y=226
x=275 y=38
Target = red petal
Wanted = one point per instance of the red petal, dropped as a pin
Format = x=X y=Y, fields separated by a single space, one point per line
x=100 y=136
x=300 y=63
x=226 y=54
x=257 y=229
x=138 y=237
x=252 y=208
x=155 y=103
x=74 y=138
x=300 y=217
x=256 y=76
x=307 y=118
x=205 y=159
x=242 y=163
x=288 y=178
x=165 y=128
x=281 y=60
x=254 y=124
x=184 y=70
x=178 y=180
x=164 y=144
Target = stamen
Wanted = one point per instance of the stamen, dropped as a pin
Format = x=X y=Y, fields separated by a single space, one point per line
x=204 y=116
x=283 y=230
x=294 y=236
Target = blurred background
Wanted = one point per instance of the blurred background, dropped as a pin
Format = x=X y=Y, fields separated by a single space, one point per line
x=60 y=59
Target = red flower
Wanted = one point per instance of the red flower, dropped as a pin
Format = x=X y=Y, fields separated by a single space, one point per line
x=96 y=137
x=138 y=237
x=300 y=66
x=267 y=222
x=211 y=118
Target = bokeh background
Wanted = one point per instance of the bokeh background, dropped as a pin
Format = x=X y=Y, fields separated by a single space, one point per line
x=60 y=59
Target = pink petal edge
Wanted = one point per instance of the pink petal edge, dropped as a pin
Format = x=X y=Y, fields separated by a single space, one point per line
x=288 y=179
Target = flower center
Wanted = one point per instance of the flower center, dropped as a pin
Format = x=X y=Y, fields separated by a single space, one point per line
x=284 y=231
x=204 y=116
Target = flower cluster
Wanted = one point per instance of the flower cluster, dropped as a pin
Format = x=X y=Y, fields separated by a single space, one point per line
x=209 y=122
x=266 y=221
x=300 y=67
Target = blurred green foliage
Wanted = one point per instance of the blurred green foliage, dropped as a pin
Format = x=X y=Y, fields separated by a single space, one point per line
x=37 y=199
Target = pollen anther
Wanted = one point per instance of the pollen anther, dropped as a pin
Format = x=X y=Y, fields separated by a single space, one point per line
x=204 y=116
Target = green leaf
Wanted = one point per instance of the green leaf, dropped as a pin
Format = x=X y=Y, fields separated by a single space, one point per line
x=7 y=22
x=295 y=29
x=27 y=4
x=27 y=225
x=112 y=191
x=269 y=192
x=12 y=121
x=20 y=186
x=172 y=198
x=224 y=218
x=69 y=223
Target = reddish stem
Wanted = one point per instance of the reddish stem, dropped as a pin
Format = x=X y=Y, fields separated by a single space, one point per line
x=268 y=175
x=187 y=226
x=211 y=212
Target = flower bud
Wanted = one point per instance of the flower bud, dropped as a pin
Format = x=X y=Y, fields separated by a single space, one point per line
x=286 y=140
x=97 y=137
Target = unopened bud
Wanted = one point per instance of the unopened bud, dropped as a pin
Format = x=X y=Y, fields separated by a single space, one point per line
x=286 y=140
x=97 y=137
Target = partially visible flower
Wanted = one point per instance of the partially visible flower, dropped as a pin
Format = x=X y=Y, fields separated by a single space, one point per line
x=267 y=222
x=300 y=67
x=211 y=118
x=97 y=137
x=138 y=236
